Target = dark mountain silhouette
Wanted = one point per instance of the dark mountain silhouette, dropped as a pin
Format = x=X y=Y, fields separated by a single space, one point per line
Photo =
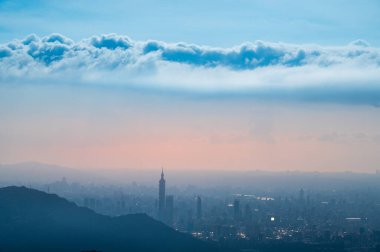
x=31 y=220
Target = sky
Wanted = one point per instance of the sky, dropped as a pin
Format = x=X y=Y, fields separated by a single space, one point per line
x=218 y=85
x=217 y=23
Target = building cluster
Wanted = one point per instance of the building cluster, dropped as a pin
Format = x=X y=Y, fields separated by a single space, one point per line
x=347 y=216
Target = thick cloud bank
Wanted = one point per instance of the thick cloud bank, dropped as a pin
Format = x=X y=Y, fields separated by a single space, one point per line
x=261 y=69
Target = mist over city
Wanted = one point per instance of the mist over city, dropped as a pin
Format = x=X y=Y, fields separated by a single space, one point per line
x=189 y=126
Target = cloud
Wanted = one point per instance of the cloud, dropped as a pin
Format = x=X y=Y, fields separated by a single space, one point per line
x=349 y=73
x=111 y=41
x=5 y=52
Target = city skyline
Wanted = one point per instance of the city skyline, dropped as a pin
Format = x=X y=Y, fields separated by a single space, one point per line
x=325 y=213
x=182 y=126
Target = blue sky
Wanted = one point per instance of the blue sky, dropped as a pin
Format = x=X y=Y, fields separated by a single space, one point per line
x=191 y=84
x=216 y=23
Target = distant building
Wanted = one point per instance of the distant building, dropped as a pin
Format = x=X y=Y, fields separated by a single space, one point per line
x=169 y=210
x=247 y=213
x=161 y=197
x=236 y=210
x=302 y=196
x=199 y=207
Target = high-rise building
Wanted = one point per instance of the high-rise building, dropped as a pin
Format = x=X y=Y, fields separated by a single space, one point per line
x=199 y=207
x=169 y=210
x=302 y=196
x=247 y=213
x=236 y=210
x=161 y=197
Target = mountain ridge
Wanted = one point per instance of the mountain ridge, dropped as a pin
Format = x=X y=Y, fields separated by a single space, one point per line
x=31 y=220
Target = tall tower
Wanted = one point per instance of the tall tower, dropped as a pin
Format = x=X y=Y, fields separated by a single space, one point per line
x=161 y=197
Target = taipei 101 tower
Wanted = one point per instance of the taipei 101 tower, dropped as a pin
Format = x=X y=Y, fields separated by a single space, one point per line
x=161 y=197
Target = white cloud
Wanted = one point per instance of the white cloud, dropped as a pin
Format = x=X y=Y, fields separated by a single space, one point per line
x=348 y=73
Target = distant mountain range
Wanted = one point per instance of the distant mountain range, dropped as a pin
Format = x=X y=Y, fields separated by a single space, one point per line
x=31 y=220
x=33 y=173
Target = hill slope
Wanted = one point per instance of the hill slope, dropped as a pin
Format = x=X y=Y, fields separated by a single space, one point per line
x=31 y=220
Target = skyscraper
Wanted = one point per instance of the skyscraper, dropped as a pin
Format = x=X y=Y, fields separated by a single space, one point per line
x=161 y=197
x=237 y=210
x=169 y=210
x=301 y=196
x=199 y=207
